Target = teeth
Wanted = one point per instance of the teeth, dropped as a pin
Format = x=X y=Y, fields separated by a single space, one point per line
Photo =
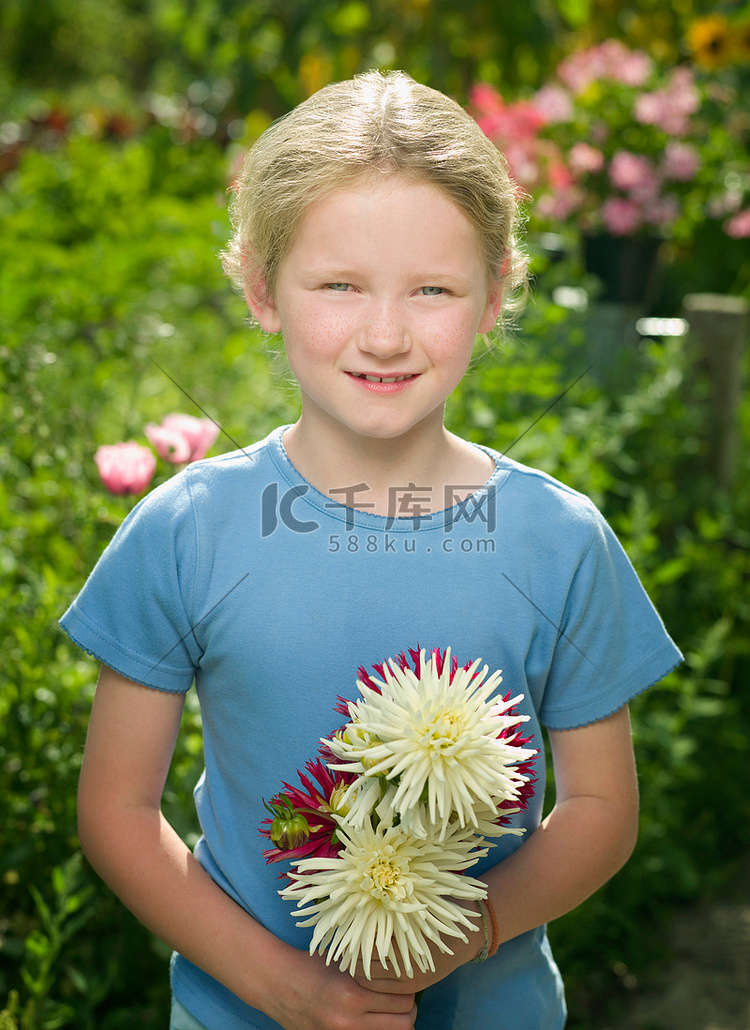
x=385 y=379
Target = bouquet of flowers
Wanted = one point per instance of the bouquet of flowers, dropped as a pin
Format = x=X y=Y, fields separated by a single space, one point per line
x=396 y=807
x=626 y=146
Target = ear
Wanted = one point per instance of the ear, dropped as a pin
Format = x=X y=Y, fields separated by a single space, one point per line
x=492 y=310
x=261 y=303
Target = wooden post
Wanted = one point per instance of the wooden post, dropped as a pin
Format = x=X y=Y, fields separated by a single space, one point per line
x=721 y=326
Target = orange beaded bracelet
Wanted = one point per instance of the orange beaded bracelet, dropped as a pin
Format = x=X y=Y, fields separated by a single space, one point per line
x=495 y=929
x=490 y=943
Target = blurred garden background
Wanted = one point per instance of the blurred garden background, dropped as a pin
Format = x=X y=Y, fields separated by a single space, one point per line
x=121 y=124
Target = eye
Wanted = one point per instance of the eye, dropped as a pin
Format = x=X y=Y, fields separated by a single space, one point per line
x=337 y=287
x=431 y=291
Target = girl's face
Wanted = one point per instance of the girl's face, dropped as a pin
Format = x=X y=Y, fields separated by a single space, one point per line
x=379 y=302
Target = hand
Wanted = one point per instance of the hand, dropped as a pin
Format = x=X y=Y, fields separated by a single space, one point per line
x=384 y=979
x=321 y=997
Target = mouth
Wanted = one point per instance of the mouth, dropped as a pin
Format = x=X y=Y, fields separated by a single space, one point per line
x=382 y=379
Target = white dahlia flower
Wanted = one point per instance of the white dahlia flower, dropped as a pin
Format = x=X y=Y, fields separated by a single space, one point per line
x=438 y=737
x=387 y=894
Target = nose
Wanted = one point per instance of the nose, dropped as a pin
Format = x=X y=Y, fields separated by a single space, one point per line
x=385 y=332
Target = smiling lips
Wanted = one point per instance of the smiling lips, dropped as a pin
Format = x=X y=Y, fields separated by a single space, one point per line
x=382 y=379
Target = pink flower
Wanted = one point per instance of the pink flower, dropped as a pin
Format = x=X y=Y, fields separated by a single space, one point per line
x=634 y=174
x=560 y=205
x=670 y=108
x=680 y=162
x=580 y=69
x=738 y=227
x=488 y=108
x=553 y=103
x=584 y=158
x=633 y=69
x=316 y=799
x=504 y=122
x=182 y=438
x=485 y=98
x=170 y=444
x=621 y=217
x=683 y=91
x=125 y=468
x=662 y=211
x=651 y=108
x=523 y=161
x=609 y=60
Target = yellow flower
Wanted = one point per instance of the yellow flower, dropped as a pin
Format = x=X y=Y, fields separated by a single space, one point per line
x=742 y=41
x=710 y=41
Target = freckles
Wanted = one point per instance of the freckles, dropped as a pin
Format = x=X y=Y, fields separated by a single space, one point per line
x=454 y=345
x=319 y=335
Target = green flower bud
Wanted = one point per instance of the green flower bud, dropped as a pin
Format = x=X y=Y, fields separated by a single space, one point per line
x=288 y=833
x=289 y=828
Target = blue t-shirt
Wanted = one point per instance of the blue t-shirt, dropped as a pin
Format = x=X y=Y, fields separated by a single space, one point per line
x=238 y=575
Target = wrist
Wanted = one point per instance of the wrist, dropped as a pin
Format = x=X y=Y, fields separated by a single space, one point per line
x=490 y=930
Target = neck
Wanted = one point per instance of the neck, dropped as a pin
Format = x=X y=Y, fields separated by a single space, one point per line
x=429 y=457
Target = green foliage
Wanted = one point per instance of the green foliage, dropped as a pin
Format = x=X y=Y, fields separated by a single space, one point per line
x=634 y=439
x=107 y=261
x=268 y=55
x=273 y=54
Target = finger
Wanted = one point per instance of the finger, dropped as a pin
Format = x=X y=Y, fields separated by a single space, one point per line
x=385 y=987
x=397 y=1002
x=377 y=971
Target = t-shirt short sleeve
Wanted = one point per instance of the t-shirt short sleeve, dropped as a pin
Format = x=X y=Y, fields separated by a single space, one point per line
x=134 y=612
x=612 y=644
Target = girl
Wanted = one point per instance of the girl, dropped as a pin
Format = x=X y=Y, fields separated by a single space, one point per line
x=375 y=229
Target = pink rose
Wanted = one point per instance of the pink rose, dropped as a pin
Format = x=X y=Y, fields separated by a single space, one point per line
x=125 y=468
x=680 y=162
x=633 y=173
x=584 y=158
x=182 y=438
x=621 y=217
x=738 y=227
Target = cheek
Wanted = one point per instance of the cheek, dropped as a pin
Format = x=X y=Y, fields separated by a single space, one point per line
x=455 y=343
x=313 y=349
x=316 y=333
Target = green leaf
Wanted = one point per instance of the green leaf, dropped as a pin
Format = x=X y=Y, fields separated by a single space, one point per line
x=576 y=13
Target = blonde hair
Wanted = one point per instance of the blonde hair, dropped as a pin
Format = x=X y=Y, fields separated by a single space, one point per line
x=373 y=123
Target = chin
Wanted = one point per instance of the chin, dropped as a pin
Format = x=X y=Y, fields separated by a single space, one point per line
x=383 y=432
